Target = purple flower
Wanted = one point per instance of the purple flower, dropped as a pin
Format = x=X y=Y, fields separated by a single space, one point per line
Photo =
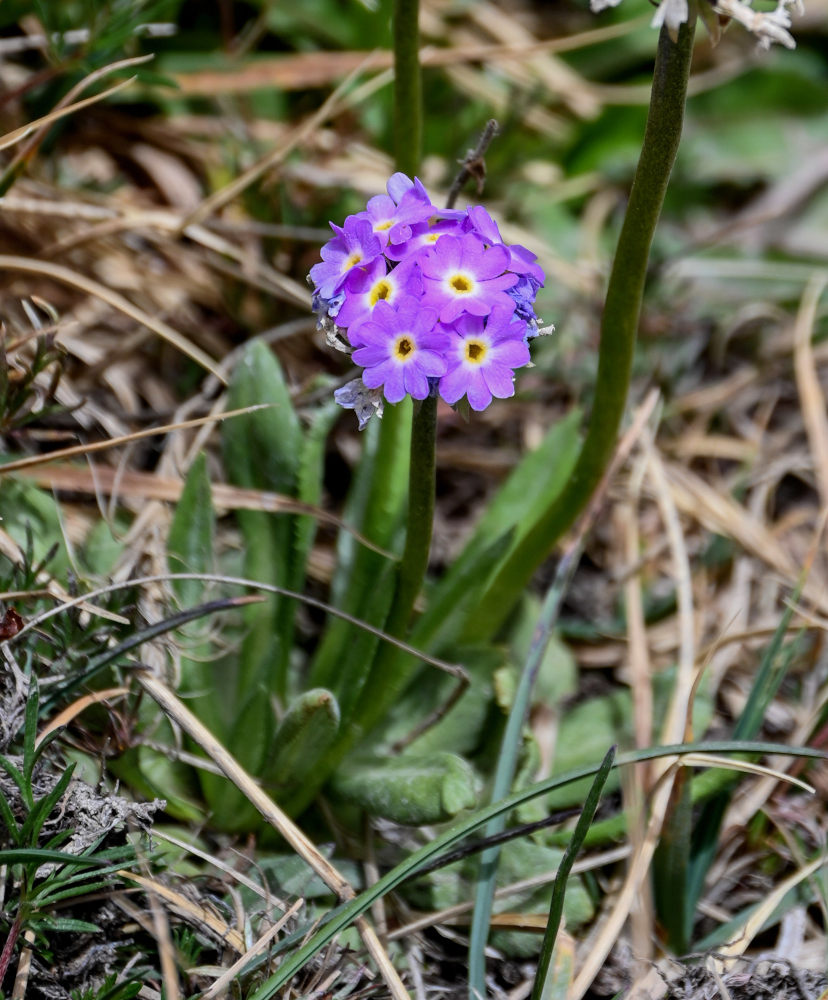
x=401 y=349
x=354 y=245
x=460 y=275
x=407 y=240
x=365 y=287
x=521 y=260
x=482 y=356
x=391 y=215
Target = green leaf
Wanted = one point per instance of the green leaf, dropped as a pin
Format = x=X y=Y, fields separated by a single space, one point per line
x=671 y=860
x=559 y=891
x=410 y=789
x=261 y=451
x=375 y=506
x=190 y=540
x=463 y=728
x=43 y=807
x=309 y=486
x=304 y=734
x=28 y=855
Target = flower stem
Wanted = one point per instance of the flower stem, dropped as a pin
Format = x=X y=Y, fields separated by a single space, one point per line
x=618 y=327
x=408 y=114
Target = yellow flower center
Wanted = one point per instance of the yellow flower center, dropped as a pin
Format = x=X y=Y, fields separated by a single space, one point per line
x=404 y=348
x=460 y=284
x=475 y=351
x=381 y=290
x=355 y=258
x=382 y=226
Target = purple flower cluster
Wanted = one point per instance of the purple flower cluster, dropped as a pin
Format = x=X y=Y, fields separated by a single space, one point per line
x=427 y=300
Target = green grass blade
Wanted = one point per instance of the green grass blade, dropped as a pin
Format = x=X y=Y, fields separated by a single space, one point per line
x=564 y=870
x=772 y=670
x=505 y=771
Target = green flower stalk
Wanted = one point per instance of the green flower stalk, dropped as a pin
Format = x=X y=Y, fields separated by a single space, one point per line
x=619 y=324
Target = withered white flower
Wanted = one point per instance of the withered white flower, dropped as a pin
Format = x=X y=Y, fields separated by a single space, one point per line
x=365 y=402
x=768 y=26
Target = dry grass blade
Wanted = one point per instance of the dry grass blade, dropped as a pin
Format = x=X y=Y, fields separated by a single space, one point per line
x=225 y=980
x=807 y=383
x=719 y=513
x=680 y=711
x=297 y=840
x=69 y=277
x=72 y=711
x=220 y=198
x=222 y=866
x=148 y=486
x=197 y=915
x=314 y=69
x=85 y=449
x=453 y=669
x=754 y=923
x=747 y=767
x=11 y=138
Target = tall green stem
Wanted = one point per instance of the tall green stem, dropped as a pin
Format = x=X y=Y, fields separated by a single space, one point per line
x=383 y=682
x=618 y=327
x=408 y=113
x=422 y=476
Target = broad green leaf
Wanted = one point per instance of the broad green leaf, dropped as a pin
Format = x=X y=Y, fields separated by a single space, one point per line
x=409 y=789
x=309 y=486
x=304 y=734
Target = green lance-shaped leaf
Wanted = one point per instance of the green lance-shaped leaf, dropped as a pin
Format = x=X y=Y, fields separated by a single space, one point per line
x=309 y=486
x=262 y=451
x=303 y=735
x=190 y=540
x=375 y=507
x=410 y=789
x=670 y=866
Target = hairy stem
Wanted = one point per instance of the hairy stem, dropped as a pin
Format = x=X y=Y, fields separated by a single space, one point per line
x=618 y=327
x=408 y=114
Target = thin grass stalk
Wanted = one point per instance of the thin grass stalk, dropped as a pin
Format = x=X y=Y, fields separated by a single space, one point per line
x=505 y=772
x=565 y=868
x=619 y=324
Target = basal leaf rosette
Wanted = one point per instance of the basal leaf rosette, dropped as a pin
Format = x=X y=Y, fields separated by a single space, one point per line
x=426 y=300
